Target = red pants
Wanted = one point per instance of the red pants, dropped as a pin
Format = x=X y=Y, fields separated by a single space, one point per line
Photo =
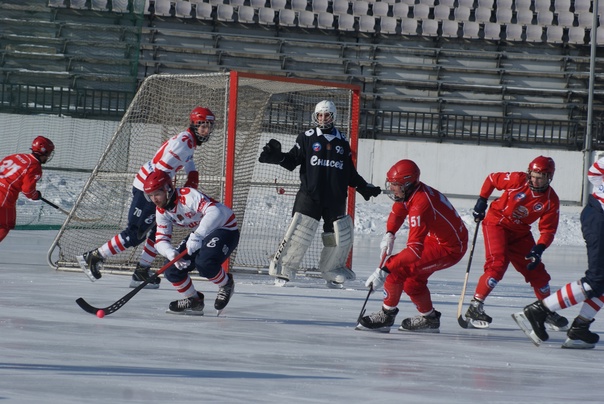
x=413 y=279
x=503 y=247
x=8 y=220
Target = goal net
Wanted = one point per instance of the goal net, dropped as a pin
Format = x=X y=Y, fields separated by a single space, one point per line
x=250 y=110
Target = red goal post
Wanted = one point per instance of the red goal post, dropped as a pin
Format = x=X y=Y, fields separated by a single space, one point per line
x=250 y=110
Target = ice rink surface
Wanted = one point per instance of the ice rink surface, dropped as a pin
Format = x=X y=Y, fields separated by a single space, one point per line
x=276 y=344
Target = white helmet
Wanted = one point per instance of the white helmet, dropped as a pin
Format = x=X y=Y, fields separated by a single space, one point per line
x=325 y=107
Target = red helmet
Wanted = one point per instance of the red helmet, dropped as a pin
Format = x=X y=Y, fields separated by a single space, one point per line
x=159 y=180
x=43 y=147
x=542 y=165
x=198 y=116
x=404 y=173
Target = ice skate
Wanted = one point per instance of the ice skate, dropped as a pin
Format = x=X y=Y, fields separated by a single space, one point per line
x=380 y=321
x=556 y=322
x=476 y=317
x=429 y=323
x=191 y=306
x=141 y=274
x=532 y=321
x=91 y=263
x=580 y=337
x=224 y=295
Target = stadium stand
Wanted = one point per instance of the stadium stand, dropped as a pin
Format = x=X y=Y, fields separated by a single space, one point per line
x=420 y=63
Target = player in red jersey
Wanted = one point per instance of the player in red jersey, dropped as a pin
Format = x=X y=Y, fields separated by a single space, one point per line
x=526 y=198
x=20 y=173
x=175 y=154
x=437 y=239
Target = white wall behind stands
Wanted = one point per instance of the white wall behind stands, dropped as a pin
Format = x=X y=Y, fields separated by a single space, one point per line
x=454 y=169
x=459 y=170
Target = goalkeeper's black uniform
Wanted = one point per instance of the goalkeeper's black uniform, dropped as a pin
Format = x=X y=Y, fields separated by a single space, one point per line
x=326 y=172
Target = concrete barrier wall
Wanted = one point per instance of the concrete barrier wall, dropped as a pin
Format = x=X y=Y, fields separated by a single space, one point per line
x=459 y=170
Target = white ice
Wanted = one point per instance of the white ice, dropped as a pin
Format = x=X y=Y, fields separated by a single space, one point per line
x=276 y=345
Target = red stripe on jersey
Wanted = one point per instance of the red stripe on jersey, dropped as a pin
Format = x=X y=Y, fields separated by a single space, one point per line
x=165 y=165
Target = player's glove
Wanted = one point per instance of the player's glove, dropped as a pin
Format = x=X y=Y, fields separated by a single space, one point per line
x=192 y=180
x=479 y=209
x=535 y=256
x=193 y=243
x=377 y=278
x=271 y=153
x=182 y=264
x=36 y=196
x=387 y=244
x=369 y=190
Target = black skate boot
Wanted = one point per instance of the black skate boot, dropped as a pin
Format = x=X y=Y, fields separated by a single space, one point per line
x=141 y=274
x=429 y=323
x=556 y=322
x=224 y=294
x=380 y=321
x=536 y=314
x=476 y=317
x=579 y=336
x=192 y=306
x=92 y=264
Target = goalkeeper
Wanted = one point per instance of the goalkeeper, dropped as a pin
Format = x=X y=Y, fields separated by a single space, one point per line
x=326 y=171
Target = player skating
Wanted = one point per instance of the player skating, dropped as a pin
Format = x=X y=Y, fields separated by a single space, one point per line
x=20 y=173
x=526 y=198
x=326 y=171
x=437 y=239
x=214 y=237
x=589 y=289
x=175 y=154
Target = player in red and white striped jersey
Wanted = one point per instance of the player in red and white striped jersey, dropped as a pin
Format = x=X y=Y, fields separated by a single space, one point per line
x=588 y=290
x=174 y=155
x=214 y=237
x=20 y=173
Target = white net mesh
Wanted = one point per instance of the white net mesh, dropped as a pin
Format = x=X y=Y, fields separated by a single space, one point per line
x=263 y=194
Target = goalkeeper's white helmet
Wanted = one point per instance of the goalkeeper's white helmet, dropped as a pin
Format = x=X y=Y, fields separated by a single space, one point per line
x=329 y=114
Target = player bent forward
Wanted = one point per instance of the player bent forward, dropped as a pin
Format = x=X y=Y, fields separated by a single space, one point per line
x=212 y=241
x=588 y=290
x=437 y=239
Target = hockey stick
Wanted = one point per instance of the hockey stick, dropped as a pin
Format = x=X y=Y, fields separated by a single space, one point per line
x=463 y=323
x=76 y=218
x=362 y=313
x=119 y=303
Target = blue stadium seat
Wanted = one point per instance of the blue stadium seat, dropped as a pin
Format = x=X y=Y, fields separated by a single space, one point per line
x=325 y=20
x=182 y=9
x=339 y=6
x=400 y=10
x=246 y=14
x=408 y=26
x=429 y=27
x=225 y=12
x=367 y=23
x=388 y=25
x=346 y=22
x=287 y=18
x=121 y=6
x=306 y=19
x=99 y=5
x=266 y=16
x=450 y=29
x=162 y=8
